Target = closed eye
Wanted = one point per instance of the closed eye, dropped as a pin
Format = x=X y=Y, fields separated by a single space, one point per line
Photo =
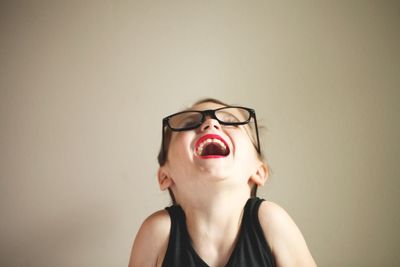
x=189 y=121
x=227 y=117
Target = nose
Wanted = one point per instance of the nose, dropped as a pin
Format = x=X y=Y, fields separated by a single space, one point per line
x=210 y=123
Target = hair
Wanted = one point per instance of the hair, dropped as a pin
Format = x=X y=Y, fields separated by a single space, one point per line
x=163 y=153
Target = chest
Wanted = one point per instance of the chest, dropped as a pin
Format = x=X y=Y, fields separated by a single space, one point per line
x=247 y=248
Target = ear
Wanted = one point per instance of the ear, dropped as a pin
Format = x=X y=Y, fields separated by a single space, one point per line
x=261 y=175
x=164 y=179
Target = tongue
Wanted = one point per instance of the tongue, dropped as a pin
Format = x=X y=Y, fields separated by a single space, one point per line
x=212 y=149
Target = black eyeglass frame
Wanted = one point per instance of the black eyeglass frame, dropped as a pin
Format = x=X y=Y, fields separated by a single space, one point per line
x=211 y=113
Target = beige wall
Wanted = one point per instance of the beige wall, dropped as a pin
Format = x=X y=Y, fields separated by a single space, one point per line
x=84 y=86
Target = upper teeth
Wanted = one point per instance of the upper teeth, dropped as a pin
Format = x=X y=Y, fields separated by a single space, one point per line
x=210 y=140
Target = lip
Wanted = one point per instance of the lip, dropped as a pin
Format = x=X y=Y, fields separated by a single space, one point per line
x=209 y=136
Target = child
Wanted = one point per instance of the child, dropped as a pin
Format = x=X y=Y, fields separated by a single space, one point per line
x=210 y=161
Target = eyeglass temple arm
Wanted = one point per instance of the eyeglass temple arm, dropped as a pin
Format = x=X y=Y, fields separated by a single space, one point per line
x=258 y=139
x=162 y=138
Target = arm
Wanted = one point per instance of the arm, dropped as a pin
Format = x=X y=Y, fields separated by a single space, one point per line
x=151 y=241
x=284 y=237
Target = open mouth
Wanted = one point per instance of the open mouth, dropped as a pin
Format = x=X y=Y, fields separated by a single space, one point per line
x=211 y=146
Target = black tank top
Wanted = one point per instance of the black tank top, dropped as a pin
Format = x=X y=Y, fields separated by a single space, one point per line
x=251 y=249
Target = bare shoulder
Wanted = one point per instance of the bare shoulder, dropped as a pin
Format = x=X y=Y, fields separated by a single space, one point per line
x=151 y=241
x=284 y=237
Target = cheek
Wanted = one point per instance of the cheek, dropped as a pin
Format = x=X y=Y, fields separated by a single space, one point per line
x=244 y=146
x=179 y=155
x=179 y=145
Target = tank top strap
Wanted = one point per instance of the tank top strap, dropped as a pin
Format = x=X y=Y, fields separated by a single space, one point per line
x=179 y=251
x=252 y=248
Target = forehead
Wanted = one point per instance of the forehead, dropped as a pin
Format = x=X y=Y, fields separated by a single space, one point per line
x=205 y=106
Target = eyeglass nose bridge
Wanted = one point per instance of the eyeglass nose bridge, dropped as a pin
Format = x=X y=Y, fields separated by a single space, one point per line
x=210 y=113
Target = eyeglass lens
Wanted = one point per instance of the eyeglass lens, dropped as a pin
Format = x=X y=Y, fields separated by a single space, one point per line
x=189 y=119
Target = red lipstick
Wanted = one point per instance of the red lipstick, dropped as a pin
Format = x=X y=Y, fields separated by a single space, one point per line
x=211 y=146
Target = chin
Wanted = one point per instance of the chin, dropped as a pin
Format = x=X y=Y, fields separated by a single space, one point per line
x=214 y=173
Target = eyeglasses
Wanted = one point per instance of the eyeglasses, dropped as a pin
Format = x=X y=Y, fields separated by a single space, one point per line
x=192 y=119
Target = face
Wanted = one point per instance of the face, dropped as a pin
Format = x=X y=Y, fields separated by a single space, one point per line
x=212 y=152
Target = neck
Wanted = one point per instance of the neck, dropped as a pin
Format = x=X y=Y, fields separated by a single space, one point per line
x=213 y=218
x=213 y=221
x=215 y=209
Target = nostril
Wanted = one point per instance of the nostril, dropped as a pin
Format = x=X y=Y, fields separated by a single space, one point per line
x=210 y=123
